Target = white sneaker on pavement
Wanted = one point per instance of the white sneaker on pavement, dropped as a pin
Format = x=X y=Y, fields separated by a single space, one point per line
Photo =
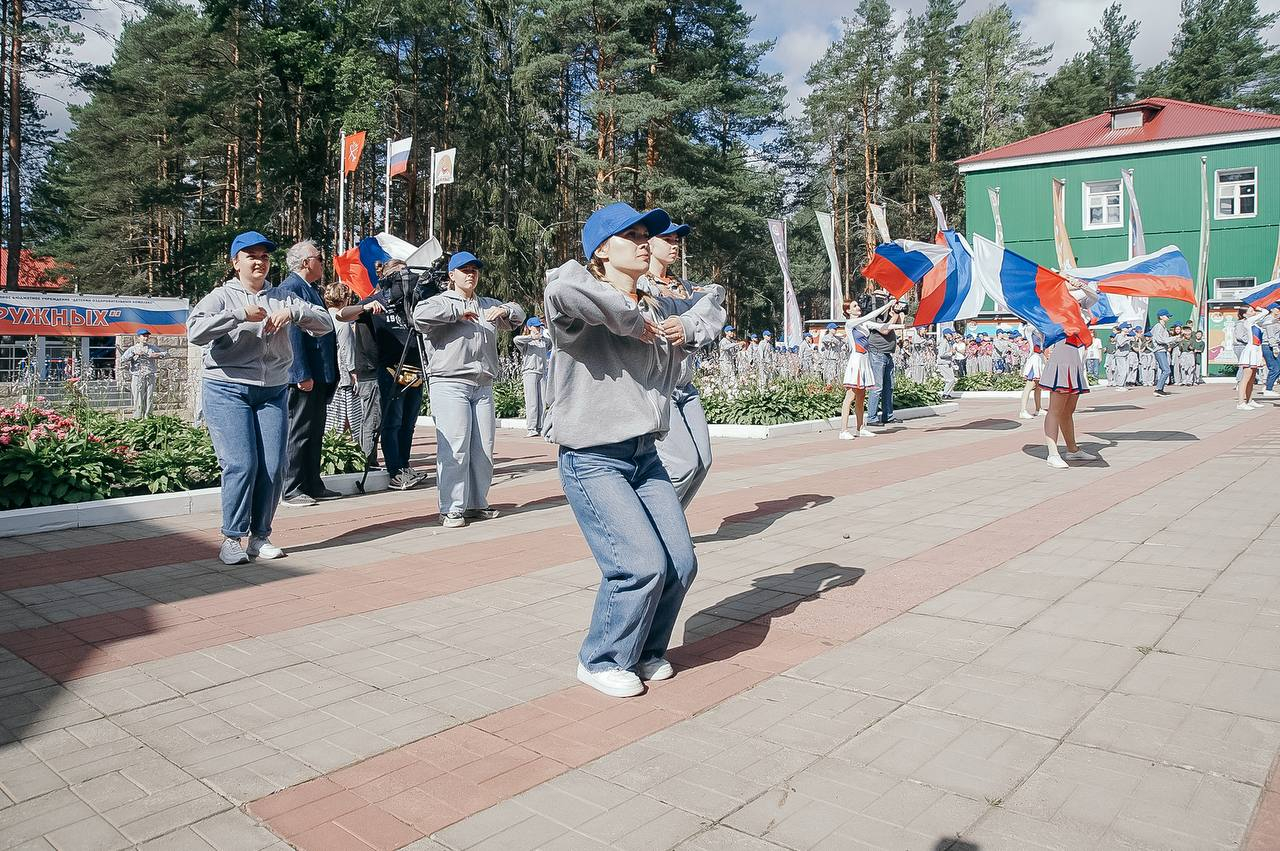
x=847 y=435
x=1243 y=407
x=1255 y=405
x=263 y=548
x=656 y=669
x=1055 y=461
x=1026 y=415
x=866 y=432
x=614 y=682
x=1080 y=455
x=232 y=553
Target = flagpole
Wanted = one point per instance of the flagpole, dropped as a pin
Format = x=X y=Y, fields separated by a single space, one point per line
x=431 y=199
x=386 y=196
x=1202 y=284
x=342 y=186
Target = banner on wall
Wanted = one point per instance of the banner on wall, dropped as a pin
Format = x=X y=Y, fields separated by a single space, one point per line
x=67 y=315
x=1220 y=342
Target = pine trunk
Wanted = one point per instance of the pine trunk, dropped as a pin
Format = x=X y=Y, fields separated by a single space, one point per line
x=12 y=267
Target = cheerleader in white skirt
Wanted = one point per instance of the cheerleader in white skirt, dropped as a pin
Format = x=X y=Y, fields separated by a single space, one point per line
x=1031 y=371
x=858 y=376
x=1065 y=380
x=1251 y=360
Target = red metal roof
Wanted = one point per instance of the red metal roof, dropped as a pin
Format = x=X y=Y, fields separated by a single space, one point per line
x=1165 y=119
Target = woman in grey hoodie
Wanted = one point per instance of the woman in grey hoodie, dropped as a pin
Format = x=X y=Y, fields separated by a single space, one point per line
x=460 y=331
x=247 y=357
x=618 y=355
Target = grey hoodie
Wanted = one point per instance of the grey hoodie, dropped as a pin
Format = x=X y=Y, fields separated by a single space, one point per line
x=459 y=350
x=709 y=323
x=606 y=385
x=242 y=352
x=533 y=353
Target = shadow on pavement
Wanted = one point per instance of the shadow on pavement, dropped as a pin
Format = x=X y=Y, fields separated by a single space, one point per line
x=992 y=424
x=769 y=597
x=1114 y=437
x=1038 y=450
x=765 y=514
x=1105 y=409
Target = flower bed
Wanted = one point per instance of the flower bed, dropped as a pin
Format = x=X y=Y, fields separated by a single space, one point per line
x=52 y=457
x=800 y=400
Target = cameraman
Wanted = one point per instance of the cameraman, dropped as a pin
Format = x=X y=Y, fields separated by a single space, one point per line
x=383 y=315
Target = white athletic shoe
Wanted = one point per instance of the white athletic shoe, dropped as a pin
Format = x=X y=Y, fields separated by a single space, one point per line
x=263 y=548
x=657 y=669
x=1243 y=407
x=1270 y=394
x=231 y=552
x=1055 y=461
x=866 y=432
x=1043 y=412
x=614 y=682
x=847 y=435
x=1255 y=405
x=1026 y=415
x=1080 y=455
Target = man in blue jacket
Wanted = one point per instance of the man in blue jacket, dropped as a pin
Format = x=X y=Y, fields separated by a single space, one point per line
x=312 y=381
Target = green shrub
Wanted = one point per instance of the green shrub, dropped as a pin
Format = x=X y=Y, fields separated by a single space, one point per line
x=990 y=381
x=49 y=459
x=340 y=454
x=797 y=400
x=508 y=398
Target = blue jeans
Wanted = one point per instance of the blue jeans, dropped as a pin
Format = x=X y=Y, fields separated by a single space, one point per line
x=400 y=415
x=882 y=395
x=1162 y=369
x=464 y=443
x=632 y=520
x=248 y=425
x=1273 y=365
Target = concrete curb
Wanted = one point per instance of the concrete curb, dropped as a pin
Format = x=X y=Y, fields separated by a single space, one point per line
x=759 y=432
x=151 y=506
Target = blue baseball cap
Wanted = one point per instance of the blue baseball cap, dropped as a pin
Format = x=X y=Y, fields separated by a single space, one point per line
x=1162 y=312
x=534 y=322
x=249 y=239
x=831 y=326
x=728 y=328
x=768 y=333
x=755 y=336
x=674 y=229
x=142 y=332
x=614 y=219
x=464 y=258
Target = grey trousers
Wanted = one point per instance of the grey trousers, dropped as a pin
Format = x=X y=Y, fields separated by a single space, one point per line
x=369 y=398
x=534 y=403
x=685 y=451
x=948 y=373
x=464 y=443
x=143 y=388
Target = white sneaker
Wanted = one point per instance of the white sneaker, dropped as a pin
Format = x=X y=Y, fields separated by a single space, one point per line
x=1255 y=405
x=1243 y=407
x=847 y=435
x=232 y=553
x=1043 y=412
x=1055 y=461
x=658 y=669
x=1026 y=415
x=1080 y=455
x=866 y=432
x=1271 y=394
x=263 y=548
x=614 y=682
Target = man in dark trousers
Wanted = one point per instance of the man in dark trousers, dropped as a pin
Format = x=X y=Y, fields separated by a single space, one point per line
x=880 y=348
x=312 y=380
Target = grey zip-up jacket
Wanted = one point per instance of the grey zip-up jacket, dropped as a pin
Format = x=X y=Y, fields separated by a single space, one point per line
x=533 y=353
x=1161 y=337
x=606 y=385
x=459 y=350
x=242 y=352
x=709 y=327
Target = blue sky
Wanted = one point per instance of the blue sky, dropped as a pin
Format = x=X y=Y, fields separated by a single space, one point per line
x=804 y=28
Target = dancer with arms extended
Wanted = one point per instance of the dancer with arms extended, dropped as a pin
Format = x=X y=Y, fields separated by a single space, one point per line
x=859 y=377
x=1065 y=380
x=618 y=356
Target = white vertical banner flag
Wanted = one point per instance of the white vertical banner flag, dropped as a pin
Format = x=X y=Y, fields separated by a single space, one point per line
x=1202 y=269
x=1061 y=239
x=792 y=327
x=1129 y=308
x=827 y=224
x=442 y=166
x=993 y=195
x=882 y=225
x=1275 y=268
x=938 y=214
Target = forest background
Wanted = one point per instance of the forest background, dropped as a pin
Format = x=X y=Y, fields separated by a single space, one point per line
x=225 y=115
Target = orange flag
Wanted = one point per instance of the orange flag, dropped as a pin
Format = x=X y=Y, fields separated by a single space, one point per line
x=351 y=152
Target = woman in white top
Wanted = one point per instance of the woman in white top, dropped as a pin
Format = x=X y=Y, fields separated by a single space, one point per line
x=1031 y=371
x=1250 y=358
x=859 y=377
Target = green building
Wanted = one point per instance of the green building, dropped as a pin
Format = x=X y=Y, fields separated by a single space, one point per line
x=1163 y=141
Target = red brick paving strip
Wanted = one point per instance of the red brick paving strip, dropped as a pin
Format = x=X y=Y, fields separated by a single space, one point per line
x=423 y=787
x=96 y=644
x=1264 y=828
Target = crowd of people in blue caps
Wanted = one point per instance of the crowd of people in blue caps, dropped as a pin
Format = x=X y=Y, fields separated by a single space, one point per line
x=607 y=371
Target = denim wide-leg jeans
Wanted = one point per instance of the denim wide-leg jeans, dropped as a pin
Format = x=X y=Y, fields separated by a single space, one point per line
x=249 y=426
x=632 y=520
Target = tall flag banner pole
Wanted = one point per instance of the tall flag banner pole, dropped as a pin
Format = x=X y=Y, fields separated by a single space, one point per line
x=1061 y=241
x=882 y=225
x=431 y=199
x=1200 y=316
x=441 y=174
x=791 y=324
x=826 y=224
x=352 y=147
x=397 y=163
x=1275 y=267
x=938 y=214
x=993 y=195
x=1132 y=309
x=386 y=192
x=342 y=185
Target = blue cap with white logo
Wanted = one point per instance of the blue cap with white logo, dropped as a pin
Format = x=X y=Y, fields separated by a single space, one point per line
x=616 y=218
x=534 y=322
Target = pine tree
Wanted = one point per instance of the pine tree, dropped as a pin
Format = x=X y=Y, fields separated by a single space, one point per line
x=997 y=74
x=1074 y=92
x=1111 y=51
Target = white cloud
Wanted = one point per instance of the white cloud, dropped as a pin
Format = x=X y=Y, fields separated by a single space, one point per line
x=101 y=27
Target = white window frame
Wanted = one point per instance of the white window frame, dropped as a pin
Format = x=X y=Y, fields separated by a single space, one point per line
x=1218 y=215
x=1231 y=291
x=1086 y=193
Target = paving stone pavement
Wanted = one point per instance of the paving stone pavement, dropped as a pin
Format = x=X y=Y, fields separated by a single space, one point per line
x=930 y=640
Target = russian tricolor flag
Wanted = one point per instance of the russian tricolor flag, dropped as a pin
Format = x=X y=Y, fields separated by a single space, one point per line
x=948 y=291
x=900 y=265
x=1103 y=312
x=398 y=156
x=1036 y=294
x=1164 y=274
x=356 y=268
x=1263 y=295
